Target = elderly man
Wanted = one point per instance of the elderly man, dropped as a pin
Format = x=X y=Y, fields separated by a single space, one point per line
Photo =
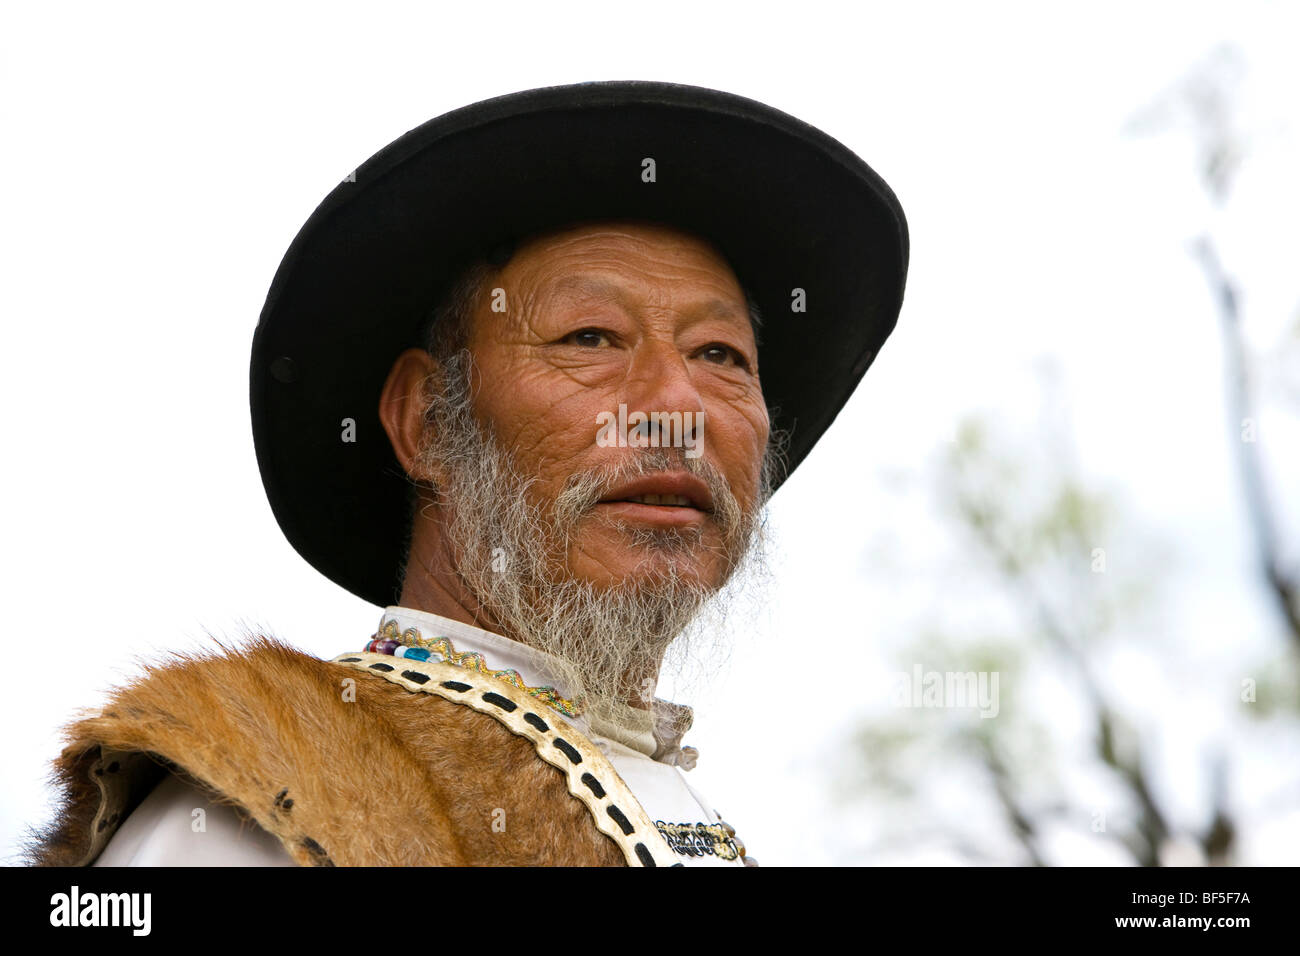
x=646 y=294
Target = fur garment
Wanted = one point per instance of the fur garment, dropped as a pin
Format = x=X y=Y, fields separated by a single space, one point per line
x=388 y=778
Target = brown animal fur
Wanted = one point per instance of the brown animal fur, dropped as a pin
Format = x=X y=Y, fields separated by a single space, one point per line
x=390 y=779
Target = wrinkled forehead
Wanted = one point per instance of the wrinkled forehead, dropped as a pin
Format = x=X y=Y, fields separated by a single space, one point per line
x=665 y=243
x=636 y=265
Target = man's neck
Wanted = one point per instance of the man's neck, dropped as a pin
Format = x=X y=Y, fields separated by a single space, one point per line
x=432 y=585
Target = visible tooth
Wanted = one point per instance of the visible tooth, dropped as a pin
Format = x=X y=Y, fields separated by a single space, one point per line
x=680 y=501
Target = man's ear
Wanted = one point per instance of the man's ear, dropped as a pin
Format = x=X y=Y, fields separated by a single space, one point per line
x=402 y=405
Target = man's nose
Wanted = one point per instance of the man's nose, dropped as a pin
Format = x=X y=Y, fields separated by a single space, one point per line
x=659 y=380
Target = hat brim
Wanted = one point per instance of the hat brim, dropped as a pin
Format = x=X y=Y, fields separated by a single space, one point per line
x=788 y=206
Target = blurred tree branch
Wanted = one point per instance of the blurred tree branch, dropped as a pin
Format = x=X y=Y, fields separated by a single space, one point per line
x=1283 y=583
x=1205 y=101
x=1037 y=550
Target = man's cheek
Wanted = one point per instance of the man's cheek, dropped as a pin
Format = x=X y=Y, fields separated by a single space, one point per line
x=741 y=465
x=534 y=431
x=554 y=460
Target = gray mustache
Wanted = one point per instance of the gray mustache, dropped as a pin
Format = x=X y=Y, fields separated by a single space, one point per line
x=584 y=491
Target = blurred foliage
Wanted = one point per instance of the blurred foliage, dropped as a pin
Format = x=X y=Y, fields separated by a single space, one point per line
x=1037 y=531
x=1033 y=530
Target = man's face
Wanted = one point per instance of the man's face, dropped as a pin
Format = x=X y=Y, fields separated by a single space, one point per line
x=644 y=317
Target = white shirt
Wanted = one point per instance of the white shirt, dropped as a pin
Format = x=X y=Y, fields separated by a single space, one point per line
x=161 y=830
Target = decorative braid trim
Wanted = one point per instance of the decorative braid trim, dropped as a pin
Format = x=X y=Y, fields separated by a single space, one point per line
x=472 y=660
x=589 y=774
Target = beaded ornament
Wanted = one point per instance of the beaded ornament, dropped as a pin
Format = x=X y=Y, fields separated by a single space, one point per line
x=390 y=639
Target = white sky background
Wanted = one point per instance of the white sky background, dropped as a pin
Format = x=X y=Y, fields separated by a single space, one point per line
x=158 y=161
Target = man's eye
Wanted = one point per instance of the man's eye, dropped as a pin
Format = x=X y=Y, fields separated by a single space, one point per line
x=588 y=338
x=723 y=355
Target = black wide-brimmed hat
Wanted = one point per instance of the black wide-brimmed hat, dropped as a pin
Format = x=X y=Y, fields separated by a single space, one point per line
x=788 y=206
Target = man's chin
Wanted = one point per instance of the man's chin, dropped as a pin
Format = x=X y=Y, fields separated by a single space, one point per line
x=648 y=560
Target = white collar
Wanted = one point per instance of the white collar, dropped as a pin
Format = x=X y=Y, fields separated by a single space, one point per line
x=657 y=734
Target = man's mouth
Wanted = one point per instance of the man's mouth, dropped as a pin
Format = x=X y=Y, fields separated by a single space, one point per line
x=669 y=499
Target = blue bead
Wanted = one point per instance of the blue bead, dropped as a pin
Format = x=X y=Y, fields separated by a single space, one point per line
x=417 y=653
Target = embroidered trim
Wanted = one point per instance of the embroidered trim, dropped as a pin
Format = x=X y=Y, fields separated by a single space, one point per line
x=699 y=839
x=589 y=774
x=470 y=660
